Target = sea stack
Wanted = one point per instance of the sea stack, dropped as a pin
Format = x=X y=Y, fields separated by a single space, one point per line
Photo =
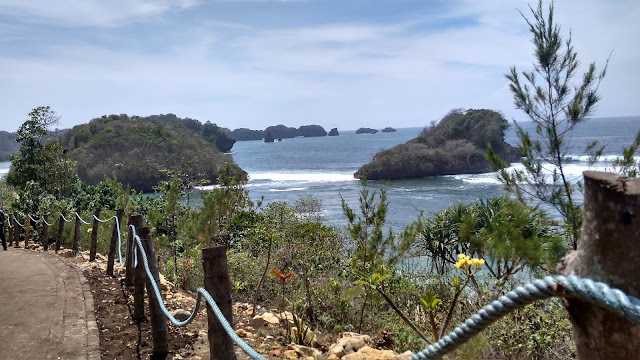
x=334 y=132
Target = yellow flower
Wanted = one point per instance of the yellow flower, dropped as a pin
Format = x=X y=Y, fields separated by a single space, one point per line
x=89 y=230
x=461 y=256
x=458 y=264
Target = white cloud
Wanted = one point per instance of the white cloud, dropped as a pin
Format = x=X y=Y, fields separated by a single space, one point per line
x=346 y=74
x=89 y=13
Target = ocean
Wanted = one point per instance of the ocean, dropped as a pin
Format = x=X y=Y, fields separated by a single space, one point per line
x=323 y=167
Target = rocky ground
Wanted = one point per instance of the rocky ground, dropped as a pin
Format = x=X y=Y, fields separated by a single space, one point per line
x=123 y=338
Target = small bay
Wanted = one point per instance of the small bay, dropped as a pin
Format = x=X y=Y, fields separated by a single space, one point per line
x=323 y=167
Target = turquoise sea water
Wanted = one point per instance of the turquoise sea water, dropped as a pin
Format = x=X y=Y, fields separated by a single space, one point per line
x=323 y=167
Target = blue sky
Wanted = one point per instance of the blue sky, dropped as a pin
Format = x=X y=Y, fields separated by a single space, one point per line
x=255 y=63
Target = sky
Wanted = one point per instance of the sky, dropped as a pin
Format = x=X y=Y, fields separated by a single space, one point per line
x=255 y=63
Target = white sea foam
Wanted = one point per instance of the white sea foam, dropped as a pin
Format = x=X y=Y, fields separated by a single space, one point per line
x=289 y=189
x=573 y=171
x=301 y=177
x=586 y=158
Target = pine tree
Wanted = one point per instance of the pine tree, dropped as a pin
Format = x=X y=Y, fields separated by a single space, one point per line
x=556 y=105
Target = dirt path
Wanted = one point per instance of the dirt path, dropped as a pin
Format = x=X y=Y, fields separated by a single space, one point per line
x=46 y=308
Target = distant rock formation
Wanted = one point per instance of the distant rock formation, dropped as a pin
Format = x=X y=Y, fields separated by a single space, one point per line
x=456 y=145
x=281 y=131
x=334 y=132
x=366 y=131
x=277 y=132
x=244 y=134
x=311 y=131
x=389 y=129
x=268 y=137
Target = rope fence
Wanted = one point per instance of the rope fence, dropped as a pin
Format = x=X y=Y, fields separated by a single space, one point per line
x=550 y=286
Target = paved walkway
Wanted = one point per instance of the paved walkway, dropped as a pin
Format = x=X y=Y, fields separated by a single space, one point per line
x=46 y=308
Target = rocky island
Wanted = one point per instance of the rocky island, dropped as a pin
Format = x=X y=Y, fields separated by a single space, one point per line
x=366 y=131
x=456 y=145
x=334 y=132
x=277 y=132
x=389 y=129
x=136 y=149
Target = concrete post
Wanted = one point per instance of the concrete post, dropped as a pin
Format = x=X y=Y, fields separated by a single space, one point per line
x=94 y=235
x=218 y=284
x=114 y=241
x=159 y=330
x=607 y=252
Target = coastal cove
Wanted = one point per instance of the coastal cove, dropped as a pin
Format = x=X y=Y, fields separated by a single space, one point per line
x=323 y=167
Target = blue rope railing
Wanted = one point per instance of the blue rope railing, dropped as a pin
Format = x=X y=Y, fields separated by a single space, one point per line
x=548 y=287
x=201 y=293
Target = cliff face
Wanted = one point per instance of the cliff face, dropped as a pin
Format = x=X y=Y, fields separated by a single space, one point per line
x=456 y=145
x=268 y=137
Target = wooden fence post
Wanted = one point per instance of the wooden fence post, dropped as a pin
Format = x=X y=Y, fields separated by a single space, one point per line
x=45 y=232
x=26 y=231
x=138 y=292
x=159 y=329
x=60 y=230
x=114 y=242
x=16 y=233
x=136 y=221
x=218 y=284
x=76 y=232
x=94 y=235
x=607 y=252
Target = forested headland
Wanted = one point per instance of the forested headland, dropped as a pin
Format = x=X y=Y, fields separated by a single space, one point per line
x=136 y=150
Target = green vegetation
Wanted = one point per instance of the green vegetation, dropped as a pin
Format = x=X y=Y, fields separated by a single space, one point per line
x=628 y=164
x=556 y=105
x=456 y=145
x=135 y=150
x=405 y=286
x=40 y=159
x=334 y=281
